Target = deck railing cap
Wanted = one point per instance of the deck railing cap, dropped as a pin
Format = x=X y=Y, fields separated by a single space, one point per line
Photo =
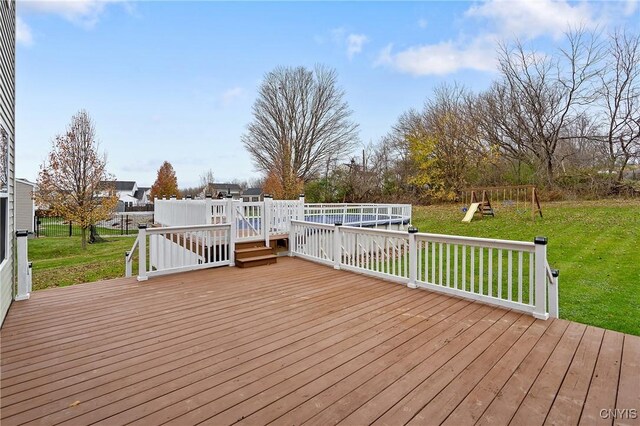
x=540 y=240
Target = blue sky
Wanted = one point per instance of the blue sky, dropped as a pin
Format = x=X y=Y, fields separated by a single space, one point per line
x=176 y=80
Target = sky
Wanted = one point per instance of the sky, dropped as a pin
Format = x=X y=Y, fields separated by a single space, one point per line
x=176 y=80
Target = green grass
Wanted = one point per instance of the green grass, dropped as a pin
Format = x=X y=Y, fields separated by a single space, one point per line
x=595 y=245
x=59 y=262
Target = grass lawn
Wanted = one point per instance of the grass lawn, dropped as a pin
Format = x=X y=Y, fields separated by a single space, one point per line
x=595 y=245
x=59 y=262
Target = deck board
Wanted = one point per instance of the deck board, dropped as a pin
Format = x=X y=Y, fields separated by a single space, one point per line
x=296 y=342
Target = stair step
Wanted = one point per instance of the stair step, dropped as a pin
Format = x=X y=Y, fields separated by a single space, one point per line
x=246 y=253
x=257 y=261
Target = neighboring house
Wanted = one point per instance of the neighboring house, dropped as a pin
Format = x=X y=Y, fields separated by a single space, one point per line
x=252 y=194
x=7 y=153
x=25 y=204
x=129 y=194
x=143 y=195
x=221 y=190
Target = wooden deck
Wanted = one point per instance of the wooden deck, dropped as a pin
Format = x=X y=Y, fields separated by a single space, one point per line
x=296 y=343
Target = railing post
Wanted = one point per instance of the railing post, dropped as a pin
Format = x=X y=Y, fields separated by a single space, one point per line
x=292 y=239
x=233 y=232
x=127 y=266
x=24 y=276
x=554 y=309
x=300 y=215
x=267 y=208
x=337 y=246
x=413 y=258
x=540 y=310
x=142 y=252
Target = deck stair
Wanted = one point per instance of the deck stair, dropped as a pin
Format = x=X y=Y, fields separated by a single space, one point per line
x=254 y=253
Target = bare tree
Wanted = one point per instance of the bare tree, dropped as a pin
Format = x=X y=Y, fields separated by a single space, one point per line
x=206 y=179
x=619 y=92
x=542 y=95
x=301 y=120
x=73 y=182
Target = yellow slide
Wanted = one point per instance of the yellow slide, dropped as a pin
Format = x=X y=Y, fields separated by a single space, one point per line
x=473 y=208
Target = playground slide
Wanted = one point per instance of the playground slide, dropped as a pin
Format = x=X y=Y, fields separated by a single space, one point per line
x=473 y=208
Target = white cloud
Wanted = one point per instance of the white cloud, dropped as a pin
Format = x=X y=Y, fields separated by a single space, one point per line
x=440 y=59
x=630 y=7
x=85 y=13
x=352 y=42
x=23 y=33
x=534 y=18
x=355 y=43
x=231 y=95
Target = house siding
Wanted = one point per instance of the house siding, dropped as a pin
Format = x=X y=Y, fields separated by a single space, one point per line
x=7 y=121
x=25 y=209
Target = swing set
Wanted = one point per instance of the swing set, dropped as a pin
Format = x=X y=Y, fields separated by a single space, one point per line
x=522 y=197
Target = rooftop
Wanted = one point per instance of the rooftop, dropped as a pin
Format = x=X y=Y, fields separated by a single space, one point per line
x=300 y=342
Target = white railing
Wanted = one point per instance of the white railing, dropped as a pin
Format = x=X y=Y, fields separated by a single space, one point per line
x=358 y=214
x=511 y=274
x=180 y=249
x=249 y=218
x=181 y=212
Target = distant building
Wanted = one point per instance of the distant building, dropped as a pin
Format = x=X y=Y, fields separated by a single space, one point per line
x=129 y=194
x=221 y=190
x=252 y=194
x=25 y=204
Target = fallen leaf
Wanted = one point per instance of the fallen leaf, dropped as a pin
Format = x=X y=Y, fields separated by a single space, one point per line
x=74 y=403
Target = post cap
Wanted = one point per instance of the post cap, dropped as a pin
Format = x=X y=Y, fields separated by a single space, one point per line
x=173 y=196
x=268 y=196
x=207 y=196
x=555 y=273
x=301 y=195
x=540 y=240
x=126 y=253
x=30 y=264
x=22 y=233
x=188 y=197
x=413 y=230
x=142 y=226
x=229 y=196
x=338 y=223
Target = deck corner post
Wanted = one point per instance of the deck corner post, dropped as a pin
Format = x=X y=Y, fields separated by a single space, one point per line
x=337 y=246
x=24 y=271
x=127 y=265
x=413 y=258
x=267 y=208
x=292 y=239
x=233 y=231
x=300 y=215
x=540 y=274
x=142 y=252
x=554 y=307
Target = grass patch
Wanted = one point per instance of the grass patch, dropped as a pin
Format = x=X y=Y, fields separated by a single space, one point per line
x=59 y=262
x=594 y=244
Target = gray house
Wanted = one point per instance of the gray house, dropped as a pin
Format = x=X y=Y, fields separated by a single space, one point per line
x=25 y=205
x=252 y=194
x=7 y=153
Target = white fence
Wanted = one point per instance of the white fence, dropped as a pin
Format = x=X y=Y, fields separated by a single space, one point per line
x=511 y=274
x=260 y=220
x=181 y=248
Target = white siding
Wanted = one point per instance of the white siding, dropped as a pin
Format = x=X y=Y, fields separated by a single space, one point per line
x=7 y=121
x=25 y=209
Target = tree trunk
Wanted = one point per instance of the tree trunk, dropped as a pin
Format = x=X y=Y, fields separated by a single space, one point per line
x=84 y=238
